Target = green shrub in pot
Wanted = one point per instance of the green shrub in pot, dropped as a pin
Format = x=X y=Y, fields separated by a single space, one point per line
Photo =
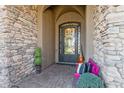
x=38 y=60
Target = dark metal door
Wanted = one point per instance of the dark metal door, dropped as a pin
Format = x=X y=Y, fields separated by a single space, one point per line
x=69 y=45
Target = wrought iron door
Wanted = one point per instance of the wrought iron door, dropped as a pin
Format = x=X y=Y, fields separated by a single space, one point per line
x=69 y=42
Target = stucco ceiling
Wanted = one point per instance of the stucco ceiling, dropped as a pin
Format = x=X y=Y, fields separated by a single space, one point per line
x=61 y=9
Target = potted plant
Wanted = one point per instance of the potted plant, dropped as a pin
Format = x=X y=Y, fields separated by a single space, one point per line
x=37 y=60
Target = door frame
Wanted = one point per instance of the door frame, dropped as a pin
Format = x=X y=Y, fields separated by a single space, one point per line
x=79 y=24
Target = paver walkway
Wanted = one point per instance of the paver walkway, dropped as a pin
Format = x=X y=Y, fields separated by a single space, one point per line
x=55 y=76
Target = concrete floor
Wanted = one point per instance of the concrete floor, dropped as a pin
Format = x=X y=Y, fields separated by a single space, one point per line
x=55 y=76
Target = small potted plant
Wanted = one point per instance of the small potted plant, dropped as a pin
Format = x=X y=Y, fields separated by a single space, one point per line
x=37 y=60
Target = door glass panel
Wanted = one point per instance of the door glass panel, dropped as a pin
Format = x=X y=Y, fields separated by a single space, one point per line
x=69 y=41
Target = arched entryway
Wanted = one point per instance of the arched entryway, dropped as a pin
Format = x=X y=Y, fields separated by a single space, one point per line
x=53 y=17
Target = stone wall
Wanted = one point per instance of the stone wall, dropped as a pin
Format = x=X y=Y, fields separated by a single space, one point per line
x=4 y=75
x=109 y=43
x=18 y=38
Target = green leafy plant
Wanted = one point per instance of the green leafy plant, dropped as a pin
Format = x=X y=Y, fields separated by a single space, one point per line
x=37 y=61
x=37 y=56
x=88 y=80
x=37 y=52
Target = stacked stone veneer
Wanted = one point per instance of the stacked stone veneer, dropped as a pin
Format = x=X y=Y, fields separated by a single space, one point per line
x=109 y=43
x=18 y=38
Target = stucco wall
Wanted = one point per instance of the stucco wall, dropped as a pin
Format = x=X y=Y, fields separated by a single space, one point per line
x=48 y=39
x=89 y=32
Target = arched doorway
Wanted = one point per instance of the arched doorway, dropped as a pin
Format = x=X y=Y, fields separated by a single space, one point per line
x=67 y=19
x=52 y=17
x=69 y=42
